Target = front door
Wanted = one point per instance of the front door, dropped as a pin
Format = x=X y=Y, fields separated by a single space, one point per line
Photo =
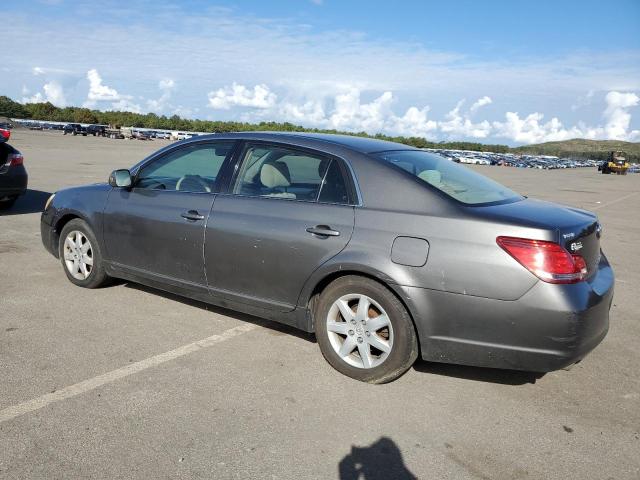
x=286 y=213
x=156 y=229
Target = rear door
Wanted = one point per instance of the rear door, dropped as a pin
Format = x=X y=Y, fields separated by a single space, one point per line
x=286 y=213
x=156 y=229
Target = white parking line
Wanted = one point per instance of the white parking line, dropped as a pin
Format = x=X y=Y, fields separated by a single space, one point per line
x=14 y=411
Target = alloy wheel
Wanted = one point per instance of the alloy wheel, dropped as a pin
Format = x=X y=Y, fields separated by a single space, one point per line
x=359 y=330
x=78 y=255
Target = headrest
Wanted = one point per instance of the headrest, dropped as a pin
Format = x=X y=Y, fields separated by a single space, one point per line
x=273 y=175
x=434 y=177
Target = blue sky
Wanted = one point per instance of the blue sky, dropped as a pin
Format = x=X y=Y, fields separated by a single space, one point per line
x=507 y=72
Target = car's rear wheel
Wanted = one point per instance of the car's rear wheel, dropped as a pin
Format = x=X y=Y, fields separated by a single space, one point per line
x=364 y=331
x=80 y=255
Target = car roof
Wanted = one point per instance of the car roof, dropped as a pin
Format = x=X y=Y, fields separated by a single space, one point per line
x=358 y=144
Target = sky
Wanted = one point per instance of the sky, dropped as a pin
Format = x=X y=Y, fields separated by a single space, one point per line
x=505 y=72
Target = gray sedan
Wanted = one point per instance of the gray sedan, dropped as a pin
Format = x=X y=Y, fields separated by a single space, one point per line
x=386 y=252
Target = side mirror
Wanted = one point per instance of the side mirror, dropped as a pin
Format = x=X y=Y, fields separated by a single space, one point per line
x=120 y=178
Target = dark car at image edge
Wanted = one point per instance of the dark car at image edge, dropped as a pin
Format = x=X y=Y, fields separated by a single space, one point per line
x=384 y=251
x=13 y=175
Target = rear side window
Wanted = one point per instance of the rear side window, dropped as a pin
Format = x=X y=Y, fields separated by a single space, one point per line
x=457 y=181
x=280 y=172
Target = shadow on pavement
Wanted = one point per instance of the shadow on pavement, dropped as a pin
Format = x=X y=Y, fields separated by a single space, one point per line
x=479 y=374
x=381 y=460
x=31 y=202
x=275 y=328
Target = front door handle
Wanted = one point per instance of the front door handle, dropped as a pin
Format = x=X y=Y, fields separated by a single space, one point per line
x=323 y=231
x=192 y=215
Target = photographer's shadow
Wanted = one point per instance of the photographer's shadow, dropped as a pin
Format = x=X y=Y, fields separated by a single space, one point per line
x=381 y=460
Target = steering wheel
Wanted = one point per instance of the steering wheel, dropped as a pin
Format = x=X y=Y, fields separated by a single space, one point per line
x=193 y=178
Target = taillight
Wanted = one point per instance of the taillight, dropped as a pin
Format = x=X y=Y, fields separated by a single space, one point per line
x=15 y=159
x=546 y=260
x=5 y=134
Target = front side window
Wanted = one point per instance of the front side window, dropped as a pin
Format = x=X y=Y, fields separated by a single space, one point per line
x=192 y=168
x=457 y=181
x=280 y=172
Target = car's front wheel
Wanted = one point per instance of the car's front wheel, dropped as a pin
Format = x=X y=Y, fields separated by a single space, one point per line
x=80 y=255
x=364 y=331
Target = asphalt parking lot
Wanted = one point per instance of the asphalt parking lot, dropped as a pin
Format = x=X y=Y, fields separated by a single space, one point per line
x=129 y=382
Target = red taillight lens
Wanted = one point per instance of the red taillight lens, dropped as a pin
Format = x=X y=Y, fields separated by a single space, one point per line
x=15 y=159
x=6 y=134
x=546 y=260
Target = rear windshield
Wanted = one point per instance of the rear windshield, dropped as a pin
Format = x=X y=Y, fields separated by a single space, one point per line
x=457 y=181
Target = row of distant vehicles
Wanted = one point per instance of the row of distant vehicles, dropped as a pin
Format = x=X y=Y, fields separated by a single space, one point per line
x=541 y=162
x=97 y=130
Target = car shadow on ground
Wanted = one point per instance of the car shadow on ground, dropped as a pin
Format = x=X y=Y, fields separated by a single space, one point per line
x=274 y=328
x=382 y=460
x=478 y=374
x=31 y=202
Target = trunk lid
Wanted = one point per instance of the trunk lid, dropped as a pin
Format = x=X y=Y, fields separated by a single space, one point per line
x=576 y=230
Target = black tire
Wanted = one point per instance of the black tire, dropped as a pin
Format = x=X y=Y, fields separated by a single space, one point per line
x=6 y=204
x=405 y=343
x=97 y=276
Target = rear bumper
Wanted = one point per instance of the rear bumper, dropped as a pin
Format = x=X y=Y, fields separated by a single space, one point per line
x=13 y=182
x=548 y=328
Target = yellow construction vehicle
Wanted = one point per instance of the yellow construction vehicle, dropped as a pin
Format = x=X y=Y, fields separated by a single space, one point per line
x=617 y=163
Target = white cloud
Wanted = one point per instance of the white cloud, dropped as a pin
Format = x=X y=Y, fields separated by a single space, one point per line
x=481 y=102
x=531 y=128
x=51 y=92
x=166 y=84
x=414 y=123
x=161 y=104
x=55 y=94
x=458 y=125
x=241 y=96
x=347 y=111
x=98 y=92
x=38 y=71
x=351 y=114
x=617 y=117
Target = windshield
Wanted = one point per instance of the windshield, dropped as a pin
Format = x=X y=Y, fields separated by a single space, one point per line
x=457 y=181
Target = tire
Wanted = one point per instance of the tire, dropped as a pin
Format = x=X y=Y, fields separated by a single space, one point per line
x=92 y=276
x=397 y=333
x=7 y=204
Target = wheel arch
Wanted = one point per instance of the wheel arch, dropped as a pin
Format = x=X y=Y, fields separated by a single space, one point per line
x=320 y=280
x=60 y=223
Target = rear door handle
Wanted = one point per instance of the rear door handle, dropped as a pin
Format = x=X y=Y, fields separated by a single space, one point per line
x=323 y=231
x=192 y=215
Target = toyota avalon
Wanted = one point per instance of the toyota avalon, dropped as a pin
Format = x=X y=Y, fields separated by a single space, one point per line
x=384 y=251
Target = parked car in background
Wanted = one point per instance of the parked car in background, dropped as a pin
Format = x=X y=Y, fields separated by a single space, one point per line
x=97 y=130
x=13 y=175
x=74 y=129
x=163 y=135
x=385 y=251
x=142 y=135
